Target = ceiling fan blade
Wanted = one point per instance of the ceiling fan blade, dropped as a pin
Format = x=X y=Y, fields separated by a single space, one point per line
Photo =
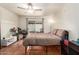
x=20 y=7
x=38 y=9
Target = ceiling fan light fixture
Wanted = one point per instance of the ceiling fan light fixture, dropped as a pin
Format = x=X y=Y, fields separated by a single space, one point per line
x=30 y=7
x=30 y=11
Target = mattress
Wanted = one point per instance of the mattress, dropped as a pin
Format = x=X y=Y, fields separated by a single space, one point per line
x=41 y=39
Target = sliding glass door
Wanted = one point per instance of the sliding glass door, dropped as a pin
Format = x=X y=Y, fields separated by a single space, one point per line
x=31 y=27
x=38 y=27
x=35 y=25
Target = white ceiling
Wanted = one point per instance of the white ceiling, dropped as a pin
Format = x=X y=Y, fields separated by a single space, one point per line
x=47 y=8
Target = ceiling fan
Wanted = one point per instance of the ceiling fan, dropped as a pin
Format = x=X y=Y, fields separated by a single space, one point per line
x=30 y=6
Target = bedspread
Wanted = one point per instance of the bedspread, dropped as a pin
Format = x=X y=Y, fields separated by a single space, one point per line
x=41 y=39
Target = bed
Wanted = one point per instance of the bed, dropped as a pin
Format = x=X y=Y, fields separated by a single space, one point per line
x=44 y=39
x=41 y=39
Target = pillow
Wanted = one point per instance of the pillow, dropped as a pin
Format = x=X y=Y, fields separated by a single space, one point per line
x=54 y=31
x=60 y=32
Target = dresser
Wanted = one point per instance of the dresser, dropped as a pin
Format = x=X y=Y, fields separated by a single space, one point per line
x=73 y=48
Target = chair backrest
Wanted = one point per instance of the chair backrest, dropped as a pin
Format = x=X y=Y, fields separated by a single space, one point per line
x=66 y=35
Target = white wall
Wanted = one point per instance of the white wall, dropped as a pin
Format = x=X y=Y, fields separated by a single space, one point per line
x=8 y=20
x=49 y=23
x=22 y=22
x=69 y=20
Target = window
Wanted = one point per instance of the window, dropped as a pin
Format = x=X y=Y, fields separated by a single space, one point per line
x=35 y=24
